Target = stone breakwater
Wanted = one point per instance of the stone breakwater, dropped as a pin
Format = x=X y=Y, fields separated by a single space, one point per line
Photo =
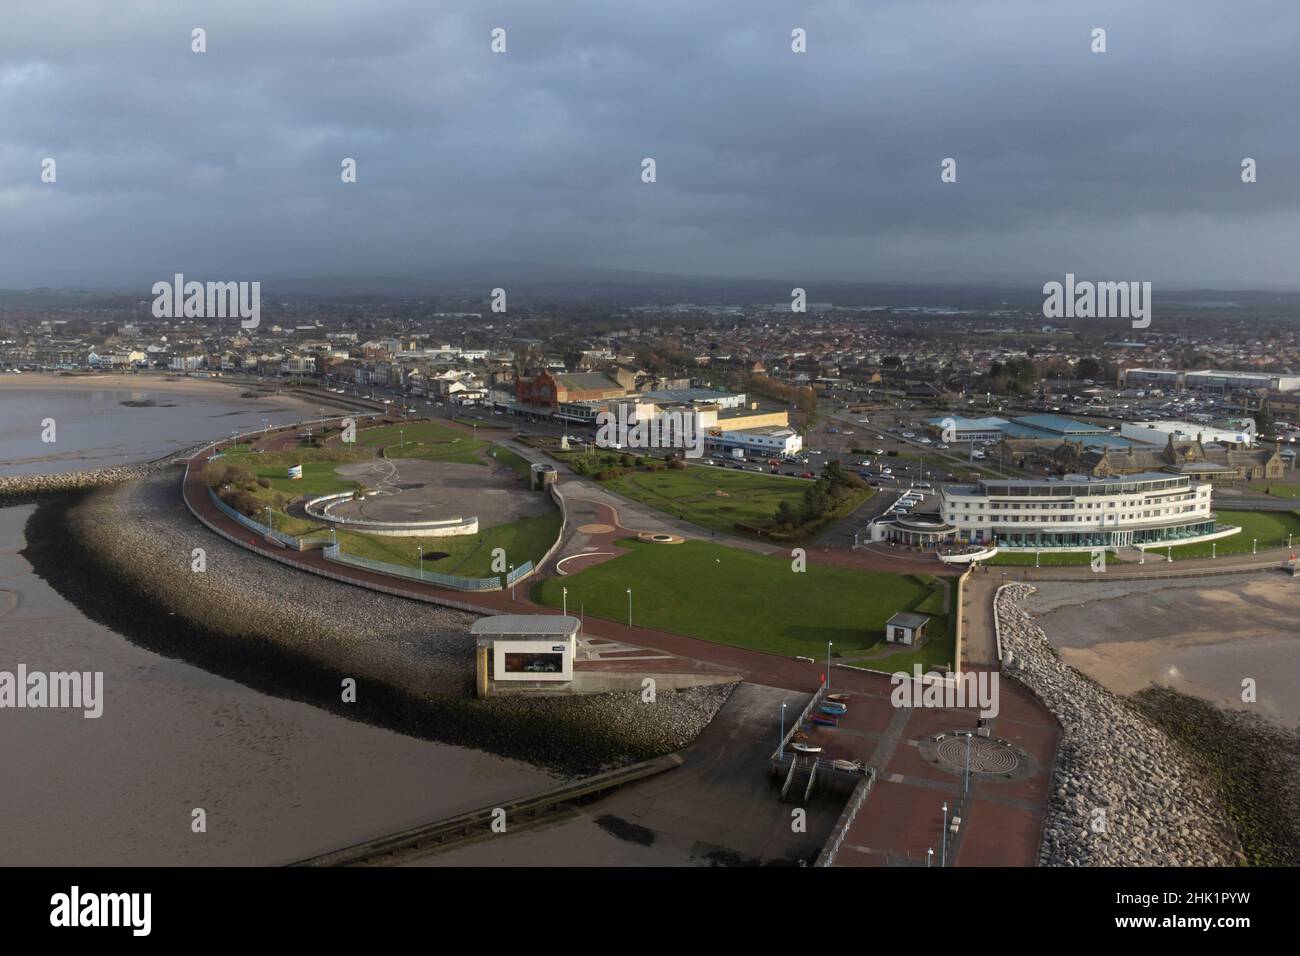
x=32 y=486
x=125 y=555
x=1123 y=794
x=15 y=489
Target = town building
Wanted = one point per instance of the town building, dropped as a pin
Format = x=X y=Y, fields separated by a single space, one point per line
x=1151 y=508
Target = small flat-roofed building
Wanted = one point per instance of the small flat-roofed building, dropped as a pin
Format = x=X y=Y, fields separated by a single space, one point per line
x=524 y=649
x=906 y=628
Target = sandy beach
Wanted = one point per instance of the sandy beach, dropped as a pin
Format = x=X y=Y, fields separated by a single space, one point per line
x=103 y=420
x=1201 y=636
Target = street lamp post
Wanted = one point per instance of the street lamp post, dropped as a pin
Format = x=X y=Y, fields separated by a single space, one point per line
x=943 y=838
x=510 y=573
x=829 y=644
x=564 y=594
x=929 y=858
x=629 y=607
x=420 y=548
x=780 y=746
x=401 y=437
x=1254 y=545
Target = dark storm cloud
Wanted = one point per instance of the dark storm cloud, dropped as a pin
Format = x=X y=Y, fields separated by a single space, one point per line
x=769 y=163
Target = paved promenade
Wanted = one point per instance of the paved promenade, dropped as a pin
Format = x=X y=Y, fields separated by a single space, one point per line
x=1012 y=825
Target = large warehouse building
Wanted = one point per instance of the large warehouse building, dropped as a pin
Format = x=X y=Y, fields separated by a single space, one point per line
x=1209 y=380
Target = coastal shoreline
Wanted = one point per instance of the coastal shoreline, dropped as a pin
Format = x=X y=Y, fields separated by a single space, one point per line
x=121 y=554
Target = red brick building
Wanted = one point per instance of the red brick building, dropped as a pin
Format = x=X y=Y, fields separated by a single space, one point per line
x=547 y=389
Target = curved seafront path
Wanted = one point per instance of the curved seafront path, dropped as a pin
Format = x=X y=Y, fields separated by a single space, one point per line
x=585 y=509
x=1004 y=822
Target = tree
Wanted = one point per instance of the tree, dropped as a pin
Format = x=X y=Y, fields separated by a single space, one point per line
x=785 y=516
x=1088 y=368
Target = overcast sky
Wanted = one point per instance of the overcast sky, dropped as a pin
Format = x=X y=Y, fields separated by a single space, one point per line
x=1122 y=165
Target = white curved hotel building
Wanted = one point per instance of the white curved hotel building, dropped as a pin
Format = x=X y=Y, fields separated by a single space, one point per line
x=1143 y=510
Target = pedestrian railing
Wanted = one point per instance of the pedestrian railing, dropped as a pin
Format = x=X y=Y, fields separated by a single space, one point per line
x=519 y=573
x=289 y=541
x=845 y=822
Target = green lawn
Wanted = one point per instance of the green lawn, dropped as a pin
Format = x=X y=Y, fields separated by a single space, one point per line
x=427 y=432
x=467 y=452
x=318 y=478
x=506 y=458
x=716 y=498
x=740 y=598
x=936 y=652
x=1284 y=491
x=1270 y=528
x=432 y=440
x=318 y=464
x=481 y=424
x=466 y=555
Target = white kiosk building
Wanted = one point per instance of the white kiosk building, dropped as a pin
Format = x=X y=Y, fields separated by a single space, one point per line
x=524 y=649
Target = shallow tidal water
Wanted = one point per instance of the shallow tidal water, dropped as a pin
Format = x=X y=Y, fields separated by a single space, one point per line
x=278 y=780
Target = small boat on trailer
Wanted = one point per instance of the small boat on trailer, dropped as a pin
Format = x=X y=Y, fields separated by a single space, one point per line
x=838 y=698
x=806 y=748
x=834 y=710
x=824 y=720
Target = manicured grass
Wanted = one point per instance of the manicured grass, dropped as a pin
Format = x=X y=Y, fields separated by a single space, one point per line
x=1270 y=528
x=431 y=440
x=1284 y=491
x=717 y=498
x=467 y=555
x=481 y=424
x=318 y=475
x=740 y=598
x=428 y=432
x=318 y=478
x=506 y=458
x=935 y=654
x=468 y=452
x=296 y=527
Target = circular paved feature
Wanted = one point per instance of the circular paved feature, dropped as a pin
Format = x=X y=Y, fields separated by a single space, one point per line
x=990 y=757
x=985 y=756
x=417 y=489
x=596 y=528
